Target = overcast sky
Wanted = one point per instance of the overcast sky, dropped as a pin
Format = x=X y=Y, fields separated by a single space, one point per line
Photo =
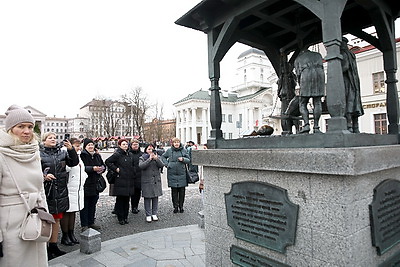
x=57 y=55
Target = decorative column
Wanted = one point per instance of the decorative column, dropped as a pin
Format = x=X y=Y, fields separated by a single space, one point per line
x=251 y=118
x=188 y=125
x=204 y=120
x=194 y=128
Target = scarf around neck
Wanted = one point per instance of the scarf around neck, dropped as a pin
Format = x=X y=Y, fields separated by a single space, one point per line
x=19 y=152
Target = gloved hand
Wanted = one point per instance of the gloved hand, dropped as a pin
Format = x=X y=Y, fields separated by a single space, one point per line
x=1 y=249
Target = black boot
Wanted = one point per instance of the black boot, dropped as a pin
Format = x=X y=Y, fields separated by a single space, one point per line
x=72 y=237
x=65 y=240
x=53 y=251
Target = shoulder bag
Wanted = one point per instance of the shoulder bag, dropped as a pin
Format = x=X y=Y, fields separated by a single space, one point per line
x=37 y=226
x=191 y=176
x=101 y=184
x=111 y=176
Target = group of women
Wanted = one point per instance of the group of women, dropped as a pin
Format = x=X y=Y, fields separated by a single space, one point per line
x=70 y=178
x=63 y=179
x=149 y=168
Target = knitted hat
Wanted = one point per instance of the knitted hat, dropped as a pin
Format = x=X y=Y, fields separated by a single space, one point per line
x=16 y=114
x=87 y=141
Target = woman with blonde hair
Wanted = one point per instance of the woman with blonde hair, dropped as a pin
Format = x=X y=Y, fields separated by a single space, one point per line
x=54 y=162
x=175 y=159
x=19 y=164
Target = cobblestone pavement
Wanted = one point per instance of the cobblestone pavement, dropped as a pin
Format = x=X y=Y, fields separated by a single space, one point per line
x=110 y=228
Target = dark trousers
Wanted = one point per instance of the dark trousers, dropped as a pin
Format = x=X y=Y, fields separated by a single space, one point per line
x=122 y=207
x=87 y=214
x=178 y=196
x=135 y=198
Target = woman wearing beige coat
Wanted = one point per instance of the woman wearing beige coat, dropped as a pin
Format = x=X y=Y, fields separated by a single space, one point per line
x=19 y=157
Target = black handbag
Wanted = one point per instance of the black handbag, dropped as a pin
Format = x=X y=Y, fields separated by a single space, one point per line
x=101 y=184
x=111 y=176
x=192 y=176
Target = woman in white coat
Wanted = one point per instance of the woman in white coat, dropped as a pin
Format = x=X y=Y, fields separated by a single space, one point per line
x=76 y=180
x=19 y=159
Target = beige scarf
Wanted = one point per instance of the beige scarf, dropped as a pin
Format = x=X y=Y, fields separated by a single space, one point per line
x=19 y=152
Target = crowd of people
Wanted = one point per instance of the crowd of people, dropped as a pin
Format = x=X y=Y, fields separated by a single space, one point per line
x=63 y=178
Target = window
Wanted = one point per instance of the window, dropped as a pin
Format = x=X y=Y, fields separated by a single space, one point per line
x=380 y=123
x=223 y=118
x=230 y=135
x=230 y=118
x=379 y=82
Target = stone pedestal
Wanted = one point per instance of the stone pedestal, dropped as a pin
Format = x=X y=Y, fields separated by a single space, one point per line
x=90 y=241
x=333 y=188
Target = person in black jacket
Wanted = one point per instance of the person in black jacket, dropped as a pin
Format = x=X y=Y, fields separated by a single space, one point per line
x=94 y=167
x=122 y=163
x=54 y=161
x=135 y=198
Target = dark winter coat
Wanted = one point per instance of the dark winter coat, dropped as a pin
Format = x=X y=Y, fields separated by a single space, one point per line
x=151 y=177
x=138 y=172
x=176 y=170
x=56 y=190
x=90 y=161
x=124 y=183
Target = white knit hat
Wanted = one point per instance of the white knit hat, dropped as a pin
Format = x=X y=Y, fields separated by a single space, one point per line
x=16 y=114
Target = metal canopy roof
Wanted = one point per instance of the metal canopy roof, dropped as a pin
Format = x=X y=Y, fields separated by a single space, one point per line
x=279 y=27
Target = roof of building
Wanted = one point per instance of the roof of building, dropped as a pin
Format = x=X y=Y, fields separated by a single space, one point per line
x=252 y=51
x=98 y=102
x=203 y=95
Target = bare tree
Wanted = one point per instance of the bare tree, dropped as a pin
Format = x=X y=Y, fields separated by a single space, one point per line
x=136 y=100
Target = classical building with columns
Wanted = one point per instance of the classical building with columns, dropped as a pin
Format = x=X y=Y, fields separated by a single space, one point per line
x=251 y=103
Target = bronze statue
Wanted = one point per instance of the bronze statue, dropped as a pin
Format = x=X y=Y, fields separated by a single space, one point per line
x=351 y=80
x=286 y=92
x=311 y=78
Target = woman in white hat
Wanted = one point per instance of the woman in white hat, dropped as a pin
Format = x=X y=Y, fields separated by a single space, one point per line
x=19 y=163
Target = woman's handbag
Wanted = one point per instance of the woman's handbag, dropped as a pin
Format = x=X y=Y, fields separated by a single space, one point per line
x=101 y=184
x=37 y=226
x=111 y=176
x=191 y=176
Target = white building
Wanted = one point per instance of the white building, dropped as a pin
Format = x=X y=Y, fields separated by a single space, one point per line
x=78 y=127
x=246 y=107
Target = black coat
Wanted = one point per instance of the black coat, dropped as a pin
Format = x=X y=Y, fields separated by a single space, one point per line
x=124 y=183
x=56 y=190
x=137 y=172
x=90 y=161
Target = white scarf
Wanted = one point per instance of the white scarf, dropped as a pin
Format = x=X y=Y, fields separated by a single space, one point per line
x=21 y=153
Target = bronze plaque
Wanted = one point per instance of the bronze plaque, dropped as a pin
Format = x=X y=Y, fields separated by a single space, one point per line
x=385 y=215
x=262 y=214
x=244 y=257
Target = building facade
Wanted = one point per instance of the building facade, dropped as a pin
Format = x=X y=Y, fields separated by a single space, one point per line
x=251 y=103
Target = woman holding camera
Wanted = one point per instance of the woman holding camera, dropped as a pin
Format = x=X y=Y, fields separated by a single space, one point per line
x=150 y=164
x=54 y=162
